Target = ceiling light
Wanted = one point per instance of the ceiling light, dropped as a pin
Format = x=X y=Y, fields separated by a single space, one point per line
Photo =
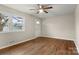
x=37 y=22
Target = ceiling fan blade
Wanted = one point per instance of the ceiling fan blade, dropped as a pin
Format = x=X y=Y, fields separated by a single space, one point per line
x=45 y=11
x=48 y=7
x=37 y=12
x=31 y=9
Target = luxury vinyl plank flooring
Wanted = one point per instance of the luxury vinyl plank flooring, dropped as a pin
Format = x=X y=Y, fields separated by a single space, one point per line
x=42 y=46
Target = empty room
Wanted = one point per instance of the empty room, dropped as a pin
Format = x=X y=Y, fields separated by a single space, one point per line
x=39 y=29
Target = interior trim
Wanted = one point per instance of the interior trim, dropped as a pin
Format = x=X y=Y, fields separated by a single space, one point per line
x=18 y=42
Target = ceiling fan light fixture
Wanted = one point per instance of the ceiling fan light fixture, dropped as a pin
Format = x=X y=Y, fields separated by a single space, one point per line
x=40 y=6
x=40 y=10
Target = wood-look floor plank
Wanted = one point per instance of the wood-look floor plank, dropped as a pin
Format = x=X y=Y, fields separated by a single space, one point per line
x=42 y=46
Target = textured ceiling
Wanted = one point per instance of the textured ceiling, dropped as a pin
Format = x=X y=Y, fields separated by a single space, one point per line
x=58 y=9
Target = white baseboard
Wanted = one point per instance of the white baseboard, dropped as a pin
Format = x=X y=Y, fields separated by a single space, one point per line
x=18 y=42
x=59 y=38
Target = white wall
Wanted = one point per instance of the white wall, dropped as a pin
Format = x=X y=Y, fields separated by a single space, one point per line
x=62 y=27
x=10 y=38
x=77 y=27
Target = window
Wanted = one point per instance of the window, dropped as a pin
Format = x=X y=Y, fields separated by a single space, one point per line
x=11 y=23
x=17 y=23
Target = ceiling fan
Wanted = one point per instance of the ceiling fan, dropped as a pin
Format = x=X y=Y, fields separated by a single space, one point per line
x=42 y=8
